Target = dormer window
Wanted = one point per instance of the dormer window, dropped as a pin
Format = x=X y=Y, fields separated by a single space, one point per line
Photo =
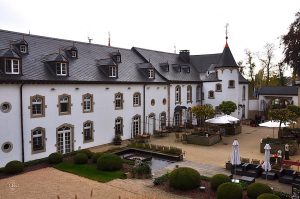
x=116 y=57
x=12 y=66
x=61 y=69
x=176 y=67
x=186 y=69
x=151 y=73
x=74 y=53
x=23 y=49
x=165 y=66
x=112 y=71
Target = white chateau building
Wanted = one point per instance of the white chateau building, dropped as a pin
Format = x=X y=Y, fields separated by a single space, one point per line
x=60 y=95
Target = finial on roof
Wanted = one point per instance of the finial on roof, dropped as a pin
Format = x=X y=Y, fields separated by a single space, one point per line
x=226 y=27
x=175 y=49
x=108 y=38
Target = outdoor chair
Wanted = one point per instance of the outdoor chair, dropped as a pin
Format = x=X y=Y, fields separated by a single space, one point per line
x=297 y=178
x=252 y=170
x=237 y=169
x=287 y=176
x=255 y=161
x=270 y=175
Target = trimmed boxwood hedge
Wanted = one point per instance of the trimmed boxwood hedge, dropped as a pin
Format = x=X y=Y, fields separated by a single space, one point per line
x=217 y=180
x=267 y=196
x=184 y=178
x=55 y=158
x=109 y=162
x=87 y=152
x=96 y=156
x=80 y=158
x=14 y=167
x=229 y=190
x=256 y=189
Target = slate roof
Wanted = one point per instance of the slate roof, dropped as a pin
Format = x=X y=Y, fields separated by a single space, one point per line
x=226 y=59
x=157 y=58
x=242 y=80
x=203 y=62
x=8 y=53
x=83 y=69
x=212 y=77
x=279 y=90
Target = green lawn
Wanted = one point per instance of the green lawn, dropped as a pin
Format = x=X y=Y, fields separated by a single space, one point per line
x=89 y=171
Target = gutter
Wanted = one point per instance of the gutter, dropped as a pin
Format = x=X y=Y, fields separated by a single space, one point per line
x=22 y=125
x=144 y=109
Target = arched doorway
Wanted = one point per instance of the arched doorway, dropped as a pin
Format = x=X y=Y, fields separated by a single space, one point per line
x=64 y=139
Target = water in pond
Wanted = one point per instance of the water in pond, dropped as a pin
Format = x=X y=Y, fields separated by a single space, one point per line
x=155 y=163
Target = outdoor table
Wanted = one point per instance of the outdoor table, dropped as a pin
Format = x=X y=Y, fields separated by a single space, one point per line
x=247 y=179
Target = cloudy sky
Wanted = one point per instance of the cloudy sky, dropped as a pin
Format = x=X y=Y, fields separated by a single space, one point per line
x=196 y=25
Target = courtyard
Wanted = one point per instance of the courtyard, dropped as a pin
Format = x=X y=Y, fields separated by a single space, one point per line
x=51 y=183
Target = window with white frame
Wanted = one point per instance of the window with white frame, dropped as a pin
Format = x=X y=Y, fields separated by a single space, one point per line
x=37 y=106
x=38 y=140
x=64 y=104
x=119 y=101
x=177 y=94
x=189 y=96
x=151 y=73
x=23 y=48
x=61 y=69
x=136 y=126
x=74 y=53
x=87 y=131
x=87 y=103
x=112 y=71
x=136 y=99
x=119 y=126
x=12 y=66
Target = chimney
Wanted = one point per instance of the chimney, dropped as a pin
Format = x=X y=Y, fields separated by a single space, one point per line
x=184 y=55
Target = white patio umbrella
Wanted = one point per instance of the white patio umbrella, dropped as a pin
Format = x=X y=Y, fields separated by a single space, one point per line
x=273 y=124
x=235 y=154
x=266 y=165
x=230 y=118
x=217 y=120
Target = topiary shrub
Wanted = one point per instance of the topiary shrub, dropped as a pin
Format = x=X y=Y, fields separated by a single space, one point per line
x=162 y=179
x=87 y=152
x=142 y=170
x=96 y=156
x=217 y=180
x=229 y=190
x=282 y=195
x=109 y=162
x=14 y=167
x=256 y=189
x=55 y=158
x=184 y=178
x=268 y=196
x=80 y=158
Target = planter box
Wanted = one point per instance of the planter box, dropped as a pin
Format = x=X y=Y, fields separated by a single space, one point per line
x=202 y=140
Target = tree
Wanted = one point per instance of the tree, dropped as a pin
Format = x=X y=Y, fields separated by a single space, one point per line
x=266 y=60
x=241 y=67
x=250 y=64
x=227 y=107
x=281 y=77
x=203 y=112
x=291 y=42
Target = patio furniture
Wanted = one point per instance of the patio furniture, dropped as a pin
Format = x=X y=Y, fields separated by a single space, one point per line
x=247 y=179
x=287 y=176
x=252 y=170
x=271 y=175
x=297 y=179
x=245 y=160
x=255 y=161
x=177 y=137
x=237 y=169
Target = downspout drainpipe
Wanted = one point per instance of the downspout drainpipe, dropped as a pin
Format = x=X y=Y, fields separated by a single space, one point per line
x=144 y=108
x=22 y=125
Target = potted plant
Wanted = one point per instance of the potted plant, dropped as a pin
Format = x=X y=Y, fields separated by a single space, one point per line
x=117 y=139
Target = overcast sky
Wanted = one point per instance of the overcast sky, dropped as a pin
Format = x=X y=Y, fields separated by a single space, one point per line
x=196 y=25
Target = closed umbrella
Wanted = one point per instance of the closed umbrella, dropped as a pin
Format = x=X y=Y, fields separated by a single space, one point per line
x=235 y=154
x=266 y=165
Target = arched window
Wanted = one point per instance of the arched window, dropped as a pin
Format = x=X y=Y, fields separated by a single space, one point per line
x=211 y=94
x=37 y=106
x=65 y=138
x=189 y=95
x=64 y=105
x=118 y=101
x=177 y=95
x=87 y=103
x=38 y=140
x=136 y=125
x=119 y=126
x=136 y=99
x=88 y=131
x=163 y=121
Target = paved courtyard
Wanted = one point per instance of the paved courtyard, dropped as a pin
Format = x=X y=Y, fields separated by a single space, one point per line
x=49 y=182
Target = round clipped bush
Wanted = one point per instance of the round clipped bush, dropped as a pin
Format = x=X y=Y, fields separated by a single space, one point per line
x=14 y=167
x=256 y=189
x=55 y=158
x=80 y=158
x=268 y=196
x=96 y=156
x=184 y=178
x=109 y=162
x=217 y=180
x=87 y=152
x=229 y=190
